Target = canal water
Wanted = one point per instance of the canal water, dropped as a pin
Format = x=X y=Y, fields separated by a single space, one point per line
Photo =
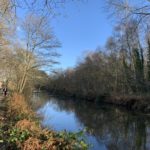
x=107 y=127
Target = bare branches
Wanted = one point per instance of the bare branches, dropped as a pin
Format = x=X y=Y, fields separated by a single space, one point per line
x=37 y=6
x=40 y=49
x=126 y=10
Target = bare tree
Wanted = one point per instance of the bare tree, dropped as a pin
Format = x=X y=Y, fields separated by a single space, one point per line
x=36 y=6
x=39 y=47
x=126 y=10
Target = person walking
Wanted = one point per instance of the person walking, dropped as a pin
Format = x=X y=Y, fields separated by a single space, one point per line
x=5 y=91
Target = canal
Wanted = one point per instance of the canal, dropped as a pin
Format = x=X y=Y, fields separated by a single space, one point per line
x=107 y=127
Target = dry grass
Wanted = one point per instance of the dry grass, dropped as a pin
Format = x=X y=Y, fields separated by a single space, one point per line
x=52 y=144
x=31 y=144
x=28 y=125
x=19 y=106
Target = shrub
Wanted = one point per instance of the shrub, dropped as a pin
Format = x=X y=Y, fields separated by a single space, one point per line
x=19 y=108
x=31 y=126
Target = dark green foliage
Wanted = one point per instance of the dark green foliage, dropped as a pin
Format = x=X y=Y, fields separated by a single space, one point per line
x=148 y=60
x=139 y=70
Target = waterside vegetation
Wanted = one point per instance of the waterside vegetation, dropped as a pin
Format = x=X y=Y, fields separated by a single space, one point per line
x=118 y=72
x=21 y=130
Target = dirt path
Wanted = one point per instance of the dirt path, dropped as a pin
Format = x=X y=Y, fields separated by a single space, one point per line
x=2 y=108
x=3 y=111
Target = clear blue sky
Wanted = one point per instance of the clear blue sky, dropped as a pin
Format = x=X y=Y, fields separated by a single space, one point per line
x=81 y=27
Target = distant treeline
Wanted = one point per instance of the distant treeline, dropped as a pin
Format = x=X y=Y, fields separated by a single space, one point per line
x=122 y=67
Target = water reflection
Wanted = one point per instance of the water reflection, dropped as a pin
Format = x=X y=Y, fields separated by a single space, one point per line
x=109 y=128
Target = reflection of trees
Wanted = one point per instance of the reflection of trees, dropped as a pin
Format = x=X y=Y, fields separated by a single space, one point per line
x=38 y=100
x=67 y=105
x=117 y=129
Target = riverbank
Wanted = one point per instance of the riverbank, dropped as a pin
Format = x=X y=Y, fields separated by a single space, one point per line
x=135 y=103
x=138 y=103
x=22 y=131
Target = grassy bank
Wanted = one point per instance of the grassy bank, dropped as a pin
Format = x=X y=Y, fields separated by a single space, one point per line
x=22 y=131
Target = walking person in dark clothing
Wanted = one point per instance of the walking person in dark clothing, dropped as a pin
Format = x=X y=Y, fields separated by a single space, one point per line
x=5 y=91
